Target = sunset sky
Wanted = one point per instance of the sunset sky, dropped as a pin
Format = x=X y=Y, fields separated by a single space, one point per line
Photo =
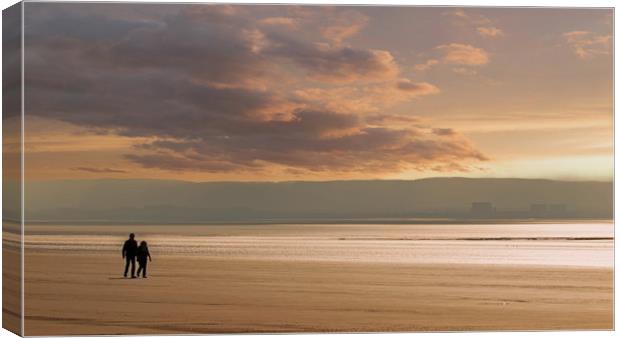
x=217 y=92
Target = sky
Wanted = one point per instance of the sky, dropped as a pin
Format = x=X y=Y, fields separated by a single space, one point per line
x=275 y=93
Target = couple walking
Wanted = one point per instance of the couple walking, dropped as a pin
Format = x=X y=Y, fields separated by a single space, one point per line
x=131 y=251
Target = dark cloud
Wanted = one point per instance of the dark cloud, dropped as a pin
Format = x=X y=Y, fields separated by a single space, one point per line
x=383 y=119
x=208 y=86
x=302 y=144
x=334 y=63
x=100 y=170
x=194 y=43
x=444 y=131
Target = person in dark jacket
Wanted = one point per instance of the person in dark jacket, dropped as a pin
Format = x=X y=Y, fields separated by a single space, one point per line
x=143 y=254
x=130 y=250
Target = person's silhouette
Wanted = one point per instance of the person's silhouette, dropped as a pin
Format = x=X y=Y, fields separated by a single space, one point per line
x=130 y=250
x=143 y=254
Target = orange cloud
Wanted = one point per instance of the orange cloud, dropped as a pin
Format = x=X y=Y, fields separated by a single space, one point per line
x=586 y=44
x=444 y=132
x=305 y=145
x=426 y=65
x=462 y=54
x=280 y=21
x=491 y=32
x=417 y=89
x=343 y=26
x=484 y=26
x=100 y=170
x=365 y=99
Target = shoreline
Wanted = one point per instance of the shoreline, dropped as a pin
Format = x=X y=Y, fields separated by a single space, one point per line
x=537 y=267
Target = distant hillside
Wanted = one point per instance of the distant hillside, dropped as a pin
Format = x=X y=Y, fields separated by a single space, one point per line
x=176 y=201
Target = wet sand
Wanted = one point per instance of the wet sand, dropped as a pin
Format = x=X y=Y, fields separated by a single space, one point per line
x=11 y=291
x=81 y=293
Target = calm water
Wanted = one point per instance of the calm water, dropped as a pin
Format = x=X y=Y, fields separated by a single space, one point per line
x=566 y=244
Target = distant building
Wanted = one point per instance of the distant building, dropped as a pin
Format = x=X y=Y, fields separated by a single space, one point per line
x=547 y=210
x=557 y=209
x=482 y=209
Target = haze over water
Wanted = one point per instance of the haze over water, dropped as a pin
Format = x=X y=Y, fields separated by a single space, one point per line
x=558 y=244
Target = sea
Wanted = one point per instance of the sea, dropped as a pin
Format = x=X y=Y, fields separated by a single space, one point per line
x=565 y=243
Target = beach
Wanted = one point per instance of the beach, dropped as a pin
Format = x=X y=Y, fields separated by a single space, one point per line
x=307 y=169
x=245 y=283
x=11 y=276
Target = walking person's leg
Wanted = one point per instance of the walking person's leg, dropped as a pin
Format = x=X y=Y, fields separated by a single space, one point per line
x=140 y=268
x=133 y=267
x=127 y=259
x=144 y=269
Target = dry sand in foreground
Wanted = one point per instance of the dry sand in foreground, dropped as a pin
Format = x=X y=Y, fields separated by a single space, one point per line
x=77 y=293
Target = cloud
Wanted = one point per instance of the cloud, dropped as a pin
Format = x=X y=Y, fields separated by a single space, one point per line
x=205 y=88
x=457 y=54
x=459 y=13
x=444 y=131
x=426 y=65
x=323 y=62
x=280 y=21
x=201 y=44
x=421 y=88
x=369 y=149
x=368 y=98
x=466 y=55
x=343 y=25
x=100 y=170
x=465 y=71
x=586 y=44
x=393 y=119
x=462 y=54
x=482 y=24
x=490 y=32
